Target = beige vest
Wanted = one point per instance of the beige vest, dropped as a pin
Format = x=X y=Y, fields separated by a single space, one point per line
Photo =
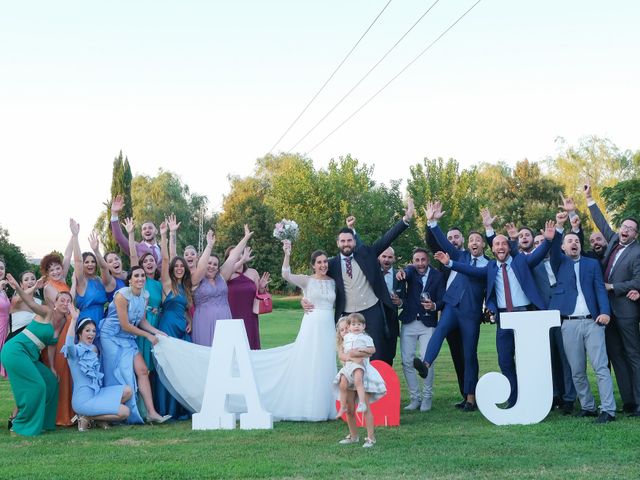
x=357 y=291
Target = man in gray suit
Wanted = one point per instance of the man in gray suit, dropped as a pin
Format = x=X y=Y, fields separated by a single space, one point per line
x=621 y=263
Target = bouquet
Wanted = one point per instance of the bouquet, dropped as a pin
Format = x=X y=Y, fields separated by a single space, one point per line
x=286 y=230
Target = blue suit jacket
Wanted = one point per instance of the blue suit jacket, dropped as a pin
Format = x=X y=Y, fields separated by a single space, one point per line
x=465 y=292
x=521 y=265
x=565 y=294
x=411 y=305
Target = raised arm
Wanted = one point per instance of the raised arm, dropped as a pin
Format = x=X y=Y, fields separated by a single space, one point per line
x=66 y=259
x=130 y=227
x=550 y=236
x=235 y=255
x=300 y=281
x=78 y=270
x=384 y=242
x=596 y=213
x=107 y=279
x=203 y=261
x=164 y=250
x=117 y=204
x=42 y=310
x=174 y=225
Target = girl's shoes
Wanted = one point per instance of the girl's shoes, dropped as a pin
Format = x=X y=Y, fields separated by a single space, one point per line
x=349 y=440
x=369 y=442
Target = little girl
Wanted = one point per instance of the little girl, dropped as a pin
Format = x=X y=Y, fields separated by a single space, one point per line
x=354 y=348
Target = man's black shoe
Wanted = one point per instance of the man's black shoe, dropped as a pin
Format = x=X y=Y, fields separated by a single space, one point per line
x=469 y=407
x=422 y=369
x=604 y=417
x=460 y=405
x=629 y=408
x=567 y=408
x=587 y=413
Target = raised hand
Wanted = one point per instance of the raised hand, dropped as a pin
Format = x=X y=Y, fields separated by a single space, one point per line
x=512 y=230
x=73 y=311
x=587 y=189
x=487 y=219
x=173 y=224
x=549 y=230
x=410 y=210
x=568 y=204
x=117 y=205
x=351 y=222
x=247 y=233
x=40 y=282
x=561 y=217
x=442 y=257
x=264 y=281
x=94 y=243
x=74 y=226
x=246 y=255
x=129 y=225
x=164 y=226
x=286 y=246
x=575 y=223
x=211 y=239
x=11 y=281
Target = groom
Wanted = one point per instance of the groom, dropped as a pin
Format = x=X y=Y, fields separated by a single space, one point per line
x=360 y=286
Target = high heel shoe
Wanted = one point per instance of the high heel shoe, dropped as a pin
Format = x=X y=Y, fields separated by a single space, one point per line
x=162 y=419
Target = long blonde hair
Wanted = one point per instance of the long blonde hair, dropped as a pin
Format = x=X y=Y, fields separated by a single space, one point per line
x=339 y=339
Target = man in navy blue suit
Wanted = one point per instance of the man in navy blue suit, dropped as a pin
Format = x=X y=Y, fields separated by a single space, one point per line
x=419 y=317
x=582 y=300
x=462 y=305
x=510 y=288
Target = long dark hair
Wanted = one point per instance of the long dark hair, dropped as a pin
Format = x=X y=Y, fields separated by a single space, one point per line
x=186 y=279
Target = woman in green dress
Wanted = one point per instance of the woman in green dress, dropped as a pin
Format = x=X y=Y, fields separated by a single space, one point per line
x=35 y=387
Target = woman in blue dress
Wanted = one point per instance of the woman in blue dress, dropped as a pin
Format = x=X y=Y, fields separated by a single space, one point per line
x=91 y=400
x=90 y=292
x=174 y=320
x=122 y=362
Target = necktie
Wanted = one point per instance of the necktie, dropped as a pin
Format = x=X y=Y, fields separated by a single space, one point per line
x=612 y=258
x=475 y=262
x=349 y=267
x=507 y=288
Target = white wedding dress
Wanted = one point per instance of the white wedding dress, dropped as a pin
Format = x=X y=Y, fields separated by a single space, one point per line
x=294 y=381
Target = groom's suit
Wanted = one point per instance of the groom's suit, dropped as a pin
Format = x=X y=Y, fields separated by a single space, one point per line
x=382 y=323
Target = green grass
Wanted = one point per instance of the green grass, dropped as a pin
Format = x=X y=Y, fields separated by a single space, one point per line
x=444 y=443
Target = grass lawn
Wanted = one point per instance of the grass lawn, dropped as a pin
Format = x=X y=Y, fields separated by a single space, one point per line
x=444 y=443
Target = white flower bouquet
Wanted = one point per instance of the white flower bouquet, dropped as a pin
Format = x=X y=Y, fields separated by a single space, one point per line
x=286 y=230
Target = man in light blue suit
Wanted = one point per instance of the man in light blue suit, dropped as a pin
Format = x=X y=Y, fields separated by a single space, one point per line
x=582 y=299
x=510 y=288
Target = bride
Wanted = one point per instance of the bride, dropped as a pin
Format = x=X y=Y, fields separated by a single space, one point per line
x=295 y=381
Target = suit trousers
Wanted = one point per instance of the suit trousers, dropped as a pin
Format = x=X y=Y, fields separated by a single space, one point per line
x=412 y=335
x=623 y=347
x=562 y=379
x=468 y=326
x=586 y=336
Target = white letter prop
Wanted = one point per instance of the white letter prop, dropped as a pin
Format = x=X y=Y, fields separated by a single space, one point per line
x=229 y=342
x=533 y=369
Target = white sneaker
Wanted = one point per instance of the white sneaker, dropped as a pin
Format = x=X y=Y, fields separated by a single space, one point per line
x=348 y=440
x=413 y=405
x=425 y=406
x=368 y=443
x=362 y=407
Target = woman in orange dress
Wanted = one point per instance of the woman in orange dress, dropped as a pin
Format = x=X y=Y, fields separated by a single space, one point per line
x=55 y=267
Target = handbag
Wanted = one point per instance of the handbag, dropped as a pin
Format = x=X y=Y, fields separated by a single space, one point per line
x=262 y=303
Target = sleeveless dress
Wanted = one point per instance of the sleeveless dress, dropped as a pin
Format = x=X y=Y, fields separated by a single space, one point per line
x=173 y=322
x=119 y=284
x=5 y=307
x=154 y=288
x=91 y=304
x=90 y=398
x=211 y=304
x=65 y=414
x=294 y=381
x=242 y=292
x=120 y=347
x=20 y=319
x=34 y=386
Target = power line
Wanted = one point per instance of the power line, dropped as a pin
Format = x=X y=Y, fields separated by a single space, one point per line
x=396 y=76
x=365 y=76
x=330 y=77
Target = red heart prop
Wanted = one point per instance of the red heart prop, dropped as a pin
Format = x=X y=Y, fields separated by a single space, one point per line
x=386 y=411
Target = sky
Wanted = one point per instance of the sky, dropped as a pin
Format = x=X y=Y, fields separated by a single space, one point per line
x=204 y=88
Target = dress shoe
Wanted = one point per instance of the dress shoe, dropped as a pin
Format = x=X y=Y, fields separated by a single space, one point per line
x=635 y=413
x=556 y=403
x=604 y=417
x=629 y=408
x=162 y=419
x=413 y=405
x=425 y=405
x=469 y=407
x=422 y=369
x=567 y=408
x=587 y=413
x=460 y=405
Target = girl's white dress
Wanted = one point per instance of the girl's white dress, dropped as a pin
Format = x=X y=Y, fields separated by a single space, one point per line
x=294 y=381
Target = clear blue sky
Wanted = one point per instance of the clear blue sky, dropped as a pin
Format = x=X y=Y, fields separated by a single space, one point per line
x=204 y=88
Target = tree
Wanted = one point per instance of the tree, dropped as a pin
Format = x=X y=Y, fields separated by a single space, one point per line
x=15 y=261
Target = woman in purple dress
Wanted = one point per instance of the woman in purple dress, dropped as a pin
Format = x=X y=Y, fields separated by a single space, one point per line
x=211 y=294
x=243 y=286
